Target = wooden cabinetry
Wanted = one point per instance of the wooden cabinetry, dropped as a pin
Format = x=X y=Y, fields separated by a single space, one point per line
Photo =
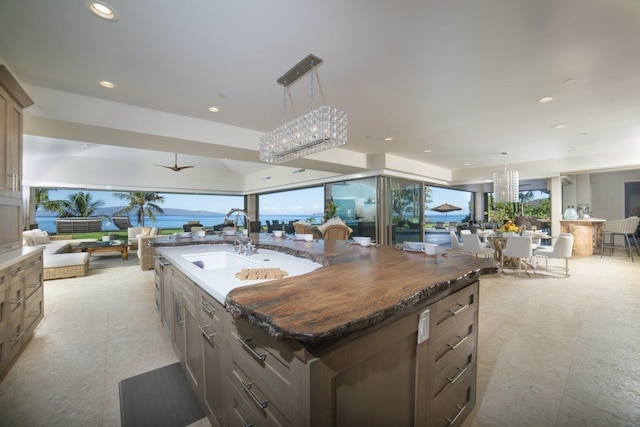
x=243 y=376
x=163 y=290
x=21 y=304
x=12 y=100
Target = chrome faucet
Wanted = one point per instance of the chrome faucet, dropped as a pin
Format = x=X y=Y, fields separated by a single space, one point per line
x=243 y=243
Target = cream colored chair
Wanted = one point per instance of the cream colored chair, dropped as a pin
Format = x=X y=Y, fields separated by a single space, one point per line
x=455 y=243
x=562 y=249
x=520 y=248
x=471 y=244
x=620 y=227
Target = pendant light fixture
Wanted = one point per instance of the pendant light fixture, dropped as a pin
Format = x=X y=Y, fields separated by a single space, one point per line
x=506 y=184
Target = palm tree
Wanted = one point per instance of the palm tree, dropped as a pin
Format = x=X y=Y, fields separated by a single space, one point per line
x=78 y=204
x=524 y=198
x=42 y=199
x=144 y=204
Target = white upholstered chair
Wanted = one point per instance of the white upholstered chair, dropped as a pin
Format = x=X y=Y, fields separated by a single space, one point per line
x=455 y=243
x=561 y=249
x=518 y=247
x=471 y=244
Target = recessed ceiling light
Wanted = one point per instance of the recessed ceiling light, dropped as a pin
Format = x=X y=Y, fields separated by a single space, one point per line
x=428 y=151
x=102 y=10
x=569 y=81
x=214 y=109
x=545 y=99
x=299 y=171
x=467 y=164
x=560 y=126
x=266 y=178
x=571 y=150
x=107 y=84
x=388 y=139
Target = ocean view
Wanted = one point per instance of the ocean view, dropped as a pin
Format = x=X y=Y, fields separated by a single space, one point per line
x=166 y=222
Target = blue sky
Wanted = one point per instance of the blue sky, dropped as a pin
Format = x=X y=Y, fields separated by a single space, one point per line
x=303 y=201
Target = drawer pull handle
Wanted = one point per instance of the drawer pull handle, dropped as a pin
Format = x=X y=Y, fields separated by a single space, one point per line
x=17 y=338
x=456 y=312
x=36 y=286
x=260 y=357
x=261 y=403
x=462 y=339
x=157 y=286
x=179 y=319
x=205 y=306
x=155 y=304
x=35 y=313
x=17 y=301
x=209 y=337
x=457 y=377
x=15 y=273
x=461 y=410
x=246 y=425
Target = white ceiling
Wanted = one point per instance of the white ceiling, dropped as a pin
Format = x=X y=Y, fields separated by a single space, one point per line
x=461 y=78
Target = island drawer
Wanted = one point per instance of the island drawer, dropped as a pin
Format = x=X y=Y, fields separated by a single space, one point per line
x=451 y=310
x=252 y=403
x=453 y=407
x=210 y=309
x=452 y=344
x=32 y=282
x=33 y=310
x=184 y=286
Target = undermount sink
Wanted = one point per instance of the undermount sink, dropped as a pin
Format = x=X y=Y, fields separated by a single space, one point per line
x=220 y=260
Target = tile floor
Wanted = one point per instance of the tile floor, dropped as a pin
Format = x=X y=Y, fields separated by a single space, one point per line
x=552 y=351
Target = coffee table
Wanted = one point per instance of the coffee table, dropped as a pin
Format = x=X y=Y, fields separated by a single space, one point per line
x=114 y=246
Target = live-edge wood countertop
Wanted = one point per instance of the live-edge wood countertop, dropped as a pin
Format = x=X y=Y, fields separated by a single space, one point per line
x=358 y=287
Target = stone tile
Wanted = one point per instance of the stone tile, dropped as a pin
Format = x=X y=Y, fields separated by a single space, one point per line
x=574 y=413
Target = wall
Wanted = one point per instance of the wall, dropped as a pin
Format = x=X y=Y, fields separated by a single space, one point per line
x=608 y=193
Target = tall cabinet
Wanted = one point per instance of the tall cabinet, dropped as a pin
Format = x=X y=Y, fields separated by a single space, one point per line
x=21 y=278
x=12 y=100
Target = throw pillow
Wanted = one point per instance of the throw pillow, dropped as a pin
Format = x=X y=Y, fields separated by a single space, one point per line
x=154 y=231
x=27 y=236
x=41 y=237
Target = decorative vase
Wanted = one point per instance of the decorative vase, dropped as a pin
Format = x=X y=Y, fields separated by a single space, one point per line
x=570 y=213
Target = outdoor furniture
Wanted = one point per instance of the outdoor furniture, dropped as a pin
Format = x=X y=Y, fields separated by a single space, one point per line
x=187 y=227
x=626 y=228
x=78 y=225
x=455 y=243
x=108 y=246
x=336 y=232
x=518 y=248
x=122 y=222
x=562 y=249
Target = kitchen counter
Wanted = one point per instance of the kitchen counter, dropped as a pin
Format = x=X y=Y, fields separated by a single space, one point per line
x=357 y=287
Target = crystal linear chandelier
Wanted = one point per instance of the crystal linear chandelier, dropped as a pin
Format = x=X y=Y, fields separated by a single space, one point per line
x=506 y=184
x=320 y=129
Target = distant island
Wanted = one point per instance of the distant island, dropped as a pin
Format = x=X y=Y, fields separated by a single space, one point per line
x=108 y=212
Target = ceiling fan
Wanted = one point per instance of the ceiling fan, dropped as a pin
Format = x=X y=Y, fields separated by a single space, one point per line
x=175 y=166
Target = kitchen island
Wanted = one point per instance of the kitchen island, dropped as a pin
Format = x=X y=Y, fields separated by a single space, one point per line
x=376 y=336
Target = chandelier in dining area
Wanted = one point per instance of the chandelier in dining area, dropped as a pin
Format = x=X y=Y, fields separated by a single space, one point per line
x=506 y=184
x=320 y=129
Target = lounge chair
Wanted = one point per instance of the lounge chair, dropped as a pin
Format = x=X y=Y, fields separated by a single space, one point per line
x=122 y=222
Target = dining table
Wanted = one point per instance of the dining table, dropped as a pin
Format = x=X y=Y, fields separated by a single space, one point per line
x=498 y=242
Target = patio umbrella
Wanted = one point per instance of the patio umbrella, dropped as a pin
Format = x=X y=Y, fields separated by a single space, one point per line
x=446 y=208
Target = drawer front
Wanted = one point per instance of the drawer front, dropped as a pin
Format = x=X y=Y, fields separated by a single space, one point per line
x=449 y=311
x=240 y=411
x=184 y=285
x=454 y=406
x=257 y=398
x=263 y=358
x=450 y=375
x=34 y=308
x=32 y=282
x=4 y=350
x=16 y=298
x=4 y=312
x=452 y=344
x=32 y=264
x=4 y=280
x=210 y=310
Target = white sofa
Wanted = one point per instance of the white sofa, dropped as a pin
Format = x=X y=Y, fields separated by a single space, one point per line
x=59 y=260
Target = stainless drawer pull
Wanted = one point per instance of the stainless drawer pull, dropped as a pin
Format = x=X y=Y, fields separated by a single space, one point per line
x=461 y=410
x=457 y=377
x=17 y=301
x=260 y=357
x=462 y=307
x=179 y=319
x=157 y=286
x=18 y=271
x=209 y=337
x=205 y=306
x=36 y=262
x=246 y=425
x=155 y=304
x=35 y=313
x=17 y=338
x=261 y=403
x=36 y=286
x=462 y=339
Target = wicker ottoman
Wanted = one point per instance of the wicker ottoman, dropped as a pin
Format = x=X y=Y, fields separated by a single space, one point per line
x=59 y=266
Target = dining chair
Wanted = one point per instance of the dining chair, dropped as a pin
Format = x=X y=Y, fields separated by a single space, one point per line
x=518 y=247
x=471 y=244
x=561 y=249
x=336 y=232
x=455 y=243
x=620 y=227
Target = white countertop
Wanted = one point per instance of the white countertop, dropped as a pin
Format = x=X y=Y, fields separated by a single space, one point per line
x=218 y=283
